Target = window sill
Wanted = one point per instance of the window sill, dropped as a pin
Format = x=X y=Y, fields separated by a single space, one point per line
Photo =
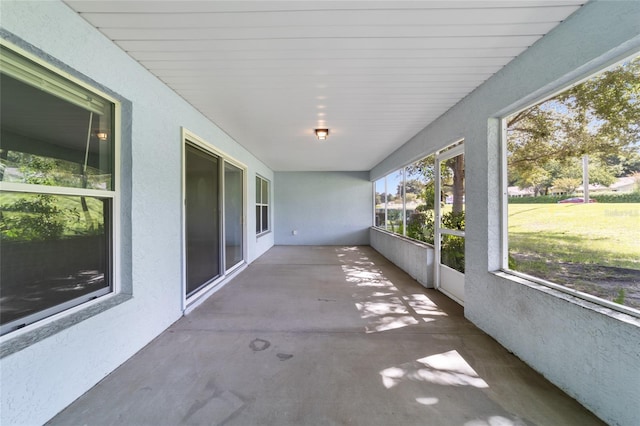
x=402 y=237
x=592 y=303
x=262 y=234
x=21 y=339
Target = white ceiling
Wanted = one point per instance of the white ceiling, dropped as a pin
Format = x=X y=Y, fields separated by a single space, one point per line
x=374 y=72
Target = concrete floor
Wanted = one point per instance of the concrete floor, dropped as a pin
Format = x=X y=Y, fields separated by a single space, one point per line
x=325 y=336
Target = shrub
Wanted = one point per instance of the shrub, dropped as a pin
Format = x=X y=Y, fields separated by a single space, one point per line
x=420 y=226
x=627 y=197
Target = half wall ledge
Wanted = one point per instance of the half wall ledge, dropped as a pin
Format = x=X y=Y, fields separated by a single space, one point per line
x=413 y=257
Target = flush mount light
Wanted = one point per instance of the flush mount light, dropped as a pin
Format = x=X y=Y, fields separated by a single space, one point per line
x=322 y=134
x=102 y=135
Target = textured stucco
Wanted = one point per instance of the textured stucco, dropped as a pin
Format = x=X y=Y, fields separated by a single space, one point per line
x=590 y=352
x=415 y=258
x=325 y=208
x=41 y=379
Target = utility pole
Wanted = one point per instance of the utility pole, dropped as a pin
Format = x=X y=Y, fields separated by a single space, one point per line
x=585 y=177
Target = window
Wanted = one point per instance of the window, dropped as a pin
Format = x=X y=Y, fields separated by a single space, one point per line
x=57 y=192
x=420 y=199
x=573 y=189
x=262 y=205
x=380 y=207
x=396 y=203
x=404 y=200
x=390 y=206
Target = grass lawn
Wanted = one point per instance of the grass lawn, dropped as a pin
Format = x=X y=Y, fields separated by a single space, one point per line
x=604 y=234
x=593 y=248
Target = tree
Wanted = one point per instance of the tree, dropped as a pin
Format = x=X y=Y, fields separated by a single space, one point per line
x=412 y=186
x=627 y=162
x=600 y=117
x=456 y=165
x=567 y=185
x=535 y=177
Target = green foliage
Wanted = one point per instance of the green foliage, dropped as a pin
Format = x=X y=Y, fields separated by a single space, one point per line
x=620 y=297
x=395 y=227
x=429 y=196
x=420 y=225
x=37 y=217
x=37 y=170
x=452 y=247
x=627 y=197
x=628 y=162
x=424 y=169
x=452 y=252
x=543 y=199
x=412 y=186
x=453 y=220
x=40 y=219
x=599 y=118
x=566 y=184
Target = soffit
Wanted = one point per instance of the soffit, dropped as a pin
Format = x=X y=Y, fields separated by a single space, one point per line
x=374 y=72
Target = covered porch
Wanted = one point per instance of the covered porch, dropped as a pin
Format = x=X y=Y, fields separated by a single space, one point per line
x=325 y=335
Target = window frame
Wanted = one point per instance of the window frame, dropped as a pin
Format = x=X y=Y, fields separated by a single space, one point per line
x=504 y=269
x=262 y=205
x=89 y=304
x=403 y=173
x=384 y=202
x=403 y=180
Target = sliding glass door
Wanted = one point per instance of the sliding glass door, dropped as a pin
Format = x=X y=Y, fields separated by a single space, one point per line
x=214 y=212
x=202 y=221
x=233 y=215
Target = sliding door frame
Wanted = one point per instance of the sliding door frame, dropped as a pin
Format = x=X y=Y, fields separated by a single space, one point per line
x=189 y=138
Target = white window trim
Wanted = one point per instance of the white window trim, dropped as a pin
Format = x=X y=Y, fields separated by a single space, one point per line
x=268 y=206
x=384 y=203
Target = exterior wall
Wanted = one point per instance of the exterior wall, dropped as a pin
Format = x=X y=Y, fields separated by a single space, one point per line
x=44 y=377
x=325 y=208
x=413 y=257
x=588 y=351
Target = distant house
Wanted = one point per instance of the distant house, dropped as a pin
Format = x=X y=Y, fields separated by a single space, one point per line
x=624 y=184
x=593 y=188
x=514 y=191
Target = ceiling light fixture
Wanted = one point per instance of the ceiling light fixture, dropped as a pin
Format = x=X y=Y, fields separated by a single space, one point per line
x=322 y=134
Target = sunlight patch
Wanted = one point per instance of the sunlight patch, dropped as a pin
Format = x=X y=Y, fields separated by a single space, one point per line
x=427 y=401
x=447 y=369
x=390 y=323
x=496 y=421
x=393 y=305
x=422 y=305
